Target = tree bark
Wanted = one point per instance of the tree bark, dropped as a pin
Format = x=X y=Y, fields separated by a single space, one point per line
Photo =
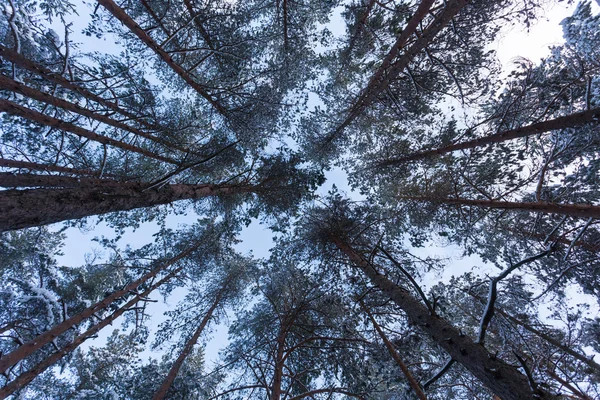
x=126 y=20
x=390 y=69
x=502 y=379
x=568 y=121
x=32 y=115
x=28 y=208
x=279 y=363
x=573 y=210
x=46 y=167
x=47 y=337
x=10 y=179
x=26 y=377
x=22 y=62
x=17 y=87
x=170 y=378
x=409 y=376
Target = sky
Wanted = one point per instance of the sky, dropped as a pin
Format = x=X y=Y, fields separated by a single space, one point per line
x=515 y=42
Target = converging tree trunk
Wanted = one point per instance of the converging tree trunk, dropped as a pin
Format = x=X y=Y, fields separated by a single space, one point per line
x=568 y=121
x=126 y=20
x=573 y=210
x=390 y=347
x=170 y=378
x=32 y=115
x=47 y=337
x=36 y=207
x=502 y=379
x=26 y=377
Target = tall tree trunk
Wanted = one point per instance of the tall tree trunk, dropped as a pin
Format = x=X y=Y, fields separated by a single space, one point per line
x=573 y=210
x=568 y=121
x=46 y=167
x=502 y=379
x=17 y=87
x=36 y=207
x=32 y=115
x=9 y=179
x=47 y=337
x=26 y=377
x=390 y=69
x=359 y=27
x=409 y=376
x=170 y=378
x=22 y=62
x=279 y=363
x=126 y=20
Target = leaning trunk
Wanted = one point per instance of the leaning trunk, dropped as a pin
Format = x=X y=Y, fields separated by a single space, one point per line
x=47 y=337
x=502 y=379
x=36 y=207
x=573 y=210
x=24 y=379
x=170 y=378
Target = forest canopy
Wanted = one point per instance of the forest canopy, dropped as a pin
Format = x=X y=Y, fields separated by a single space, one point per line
x=129 y=114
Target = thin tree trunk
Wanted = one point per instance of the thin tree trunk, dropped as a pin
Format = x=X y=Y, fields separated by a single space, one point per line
x=46 y=167
x=409 y=376
x=285 y=24
x=279 y=362
x=359 y=27
x=32 y=115
x=568 y=121
x=502 y=379
x=9 y=179
x=170 y=378
x=17 y=87
x=26 y=377
x=22 y=62
x=573 y=210
x=36 y=207
x=47 y=337
x=126 y=20
x=390 y=69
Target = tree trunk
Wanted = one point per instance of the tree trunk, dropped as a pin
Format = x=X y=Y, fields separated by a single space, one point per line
x=47 y=337
x=32 y=115
x=411 y=379
x=359 y=27
x=573 y=210
x=170 y=378
x=126 y=20
x=35 y=207
x=279 y=362
x=28 y=376
x=22 y=62
x=568 y=121
x=17 y=87
x=390 y=69
x=10 y=179
x=46 y=168
x=502 y=379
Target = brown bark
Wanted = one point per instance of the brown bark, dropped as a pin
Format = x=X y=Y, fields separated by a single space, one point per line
x=573 y=210
x=24 y=112
x=9 y=179
x=279 y=363
x=26 y=377
x=35 y=207
x=201 y=29
x=409 y=376
x=502 y=379
x=390 y=69
x=170 y=378
x=568 y=121
x=126 y=20
x=359 y=27
x=46 y=167
x=47 y=337
x=22 y=62
x=17 y=87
